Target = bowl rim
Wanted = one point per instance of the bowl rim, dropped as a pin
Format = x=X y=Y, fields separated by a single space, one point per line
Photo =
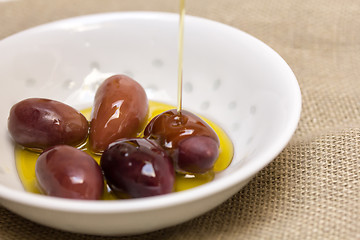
x=163 y=201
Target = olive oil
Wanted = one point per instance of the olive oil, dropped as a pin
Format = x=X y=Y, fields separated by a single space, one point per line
x=26 y=159
x=180 y=53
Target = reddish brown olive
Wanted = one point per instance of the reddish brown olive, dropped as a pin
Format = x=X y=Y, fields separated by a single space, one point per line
x=41 y=123
x=120 y=111
x=197 y=154
x=191 y=143
x=67 y=172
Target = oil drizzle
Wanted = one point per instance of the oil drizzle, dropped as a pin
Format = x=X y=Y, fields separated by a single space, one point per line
x=180 y=53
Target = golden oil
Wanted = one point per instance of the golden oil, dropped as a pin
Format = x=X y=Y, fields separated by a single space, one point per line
x=26 y=159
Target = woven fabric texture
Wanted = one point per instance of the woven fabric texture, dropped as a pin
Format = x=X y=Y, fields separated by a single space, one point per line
x=311 y=190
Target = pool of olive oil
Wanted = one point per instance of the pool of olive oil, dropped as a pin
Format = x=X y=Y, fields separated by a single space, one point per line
x=26 y=159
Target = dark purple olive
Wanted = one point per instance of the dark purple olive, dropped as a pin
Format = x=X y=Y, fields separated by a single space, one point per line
x=197 y=154
x=191 y=143
x=67 y=172
x=41 y=123
x=137 y=168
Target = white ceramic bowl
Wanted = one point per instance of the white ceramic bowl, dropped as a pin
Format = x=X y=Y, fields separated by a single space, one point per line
x=229 y=76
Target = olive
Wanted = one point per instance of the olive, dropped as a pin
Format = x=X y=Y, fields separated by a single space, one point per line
x=120 y=111
x=67 y=172
x=137 y=168
x=191 y=143
x=41 y=123
x=197 y=154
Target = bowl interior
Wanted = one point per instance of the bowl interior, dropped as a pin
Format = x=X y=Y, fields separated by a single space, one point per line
x=229 y=77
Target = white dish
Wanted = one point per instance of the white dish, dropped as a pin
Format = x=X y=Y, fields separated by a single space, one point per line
x=229 y=76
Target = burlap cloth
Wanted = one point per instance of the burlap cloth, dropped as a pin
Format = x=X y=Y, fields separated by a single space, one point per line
x=311 y=190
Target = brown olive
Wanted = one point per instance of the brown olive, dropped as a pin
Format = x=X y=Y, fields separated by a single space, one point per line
x=41 y=123
x=120 y=111
x=191 y=143
x=197 y=154
x=67 y=172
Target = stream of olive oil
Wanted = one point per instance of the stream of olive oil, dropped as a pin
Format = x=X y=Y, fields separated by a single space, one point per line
x=26 y=159
x=180 y=53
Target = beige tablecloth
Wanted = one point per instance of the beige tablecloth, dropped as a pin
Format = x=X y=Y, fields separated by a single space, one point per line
x=311 y=190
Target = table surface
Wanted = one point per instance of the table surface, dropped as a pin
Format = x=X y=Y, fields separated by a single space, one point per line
x=311 y=190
